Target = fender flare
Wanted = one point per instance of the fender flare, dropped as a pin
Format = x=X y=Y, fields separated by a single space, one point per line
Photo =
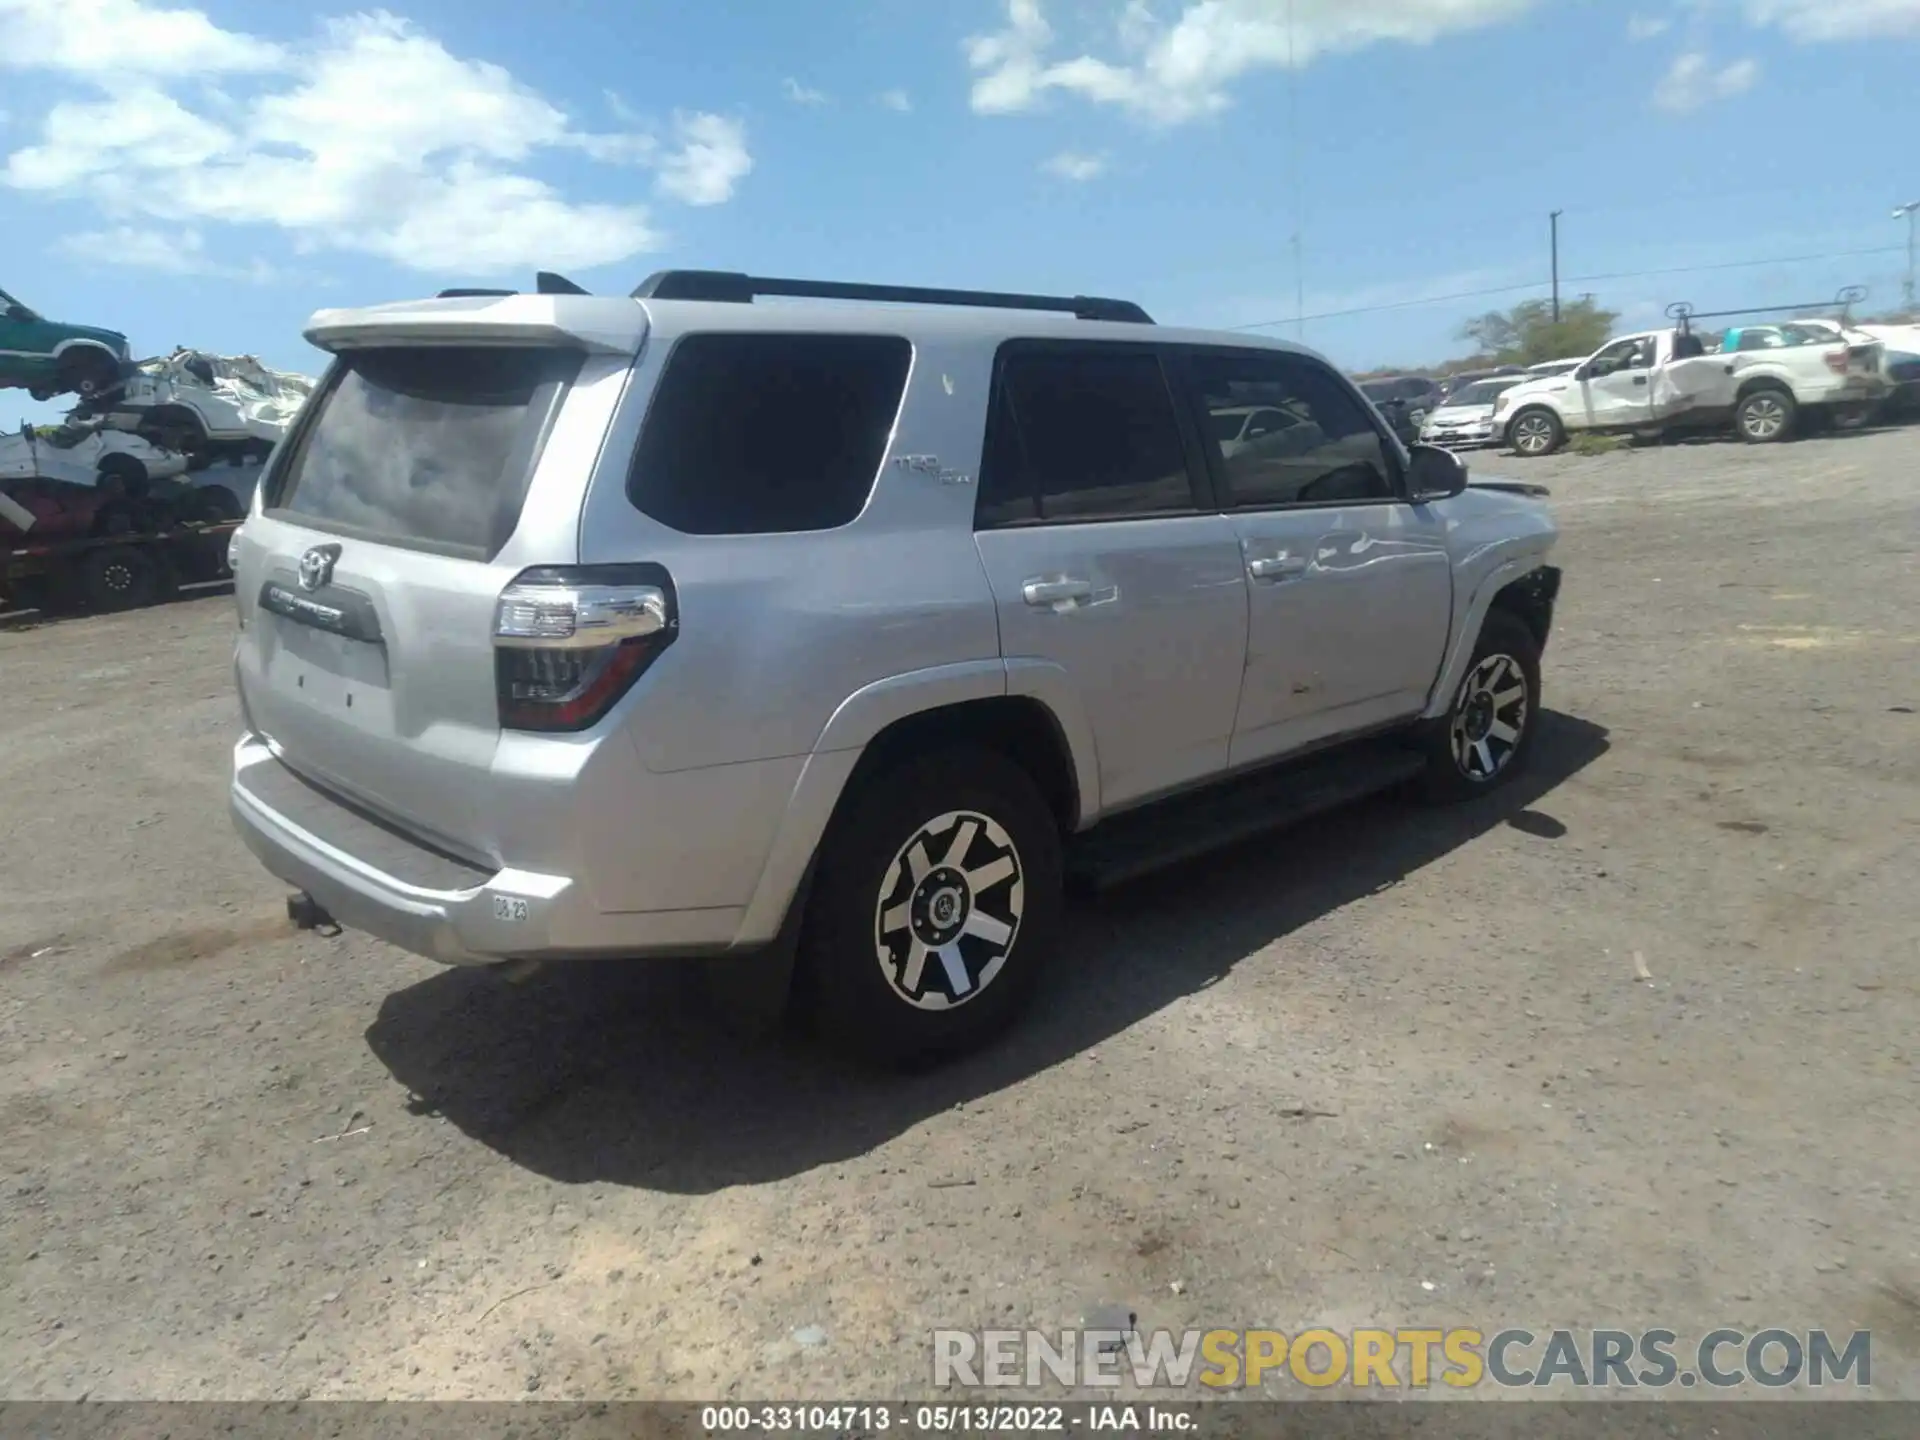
x=81 y=342
x=1460 y=649
x=853 y=725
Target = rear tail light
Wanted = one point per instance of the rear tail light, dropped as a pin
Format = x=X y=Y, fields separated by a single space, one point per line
x=569 y=641
x=1837 y=360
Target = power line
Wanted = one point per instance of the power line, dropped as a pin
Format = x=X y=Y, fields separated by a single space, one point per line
x=1572 y=280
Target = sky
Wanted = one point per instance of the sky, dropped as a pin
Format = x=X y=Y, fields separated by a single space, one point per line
x=1370 y=173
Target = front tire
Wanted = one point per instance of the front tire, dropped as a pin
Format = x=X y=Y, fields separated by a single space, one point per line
x=937 y=901
x=1764 y=416
x=1536 y=432
x=1485 y=737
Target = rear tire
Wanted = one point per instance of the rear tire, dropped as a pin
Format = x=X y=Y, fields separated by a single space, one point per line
x=118 y=577
x=936 y=903
x=1485 y=737
x=1536 y=432
x=1764 y=416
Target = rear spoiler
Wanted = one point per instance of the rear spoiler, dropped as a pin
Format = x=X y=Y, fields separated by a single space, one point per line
x=570 y=322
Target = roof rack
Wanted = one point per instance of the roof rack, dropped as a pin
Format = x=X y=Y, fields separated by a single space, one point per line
x=734 y=288
x=1845 y=300
x=545 y=282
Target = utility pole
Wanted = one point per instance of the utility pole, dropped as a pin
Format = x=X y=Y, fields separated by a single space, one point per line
x=1554 y=221
x=1293 y=167
x=1910 y=210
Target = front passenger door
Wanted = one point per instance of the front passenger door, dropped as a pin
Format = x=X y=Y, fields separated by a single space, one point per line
x=1350 y=589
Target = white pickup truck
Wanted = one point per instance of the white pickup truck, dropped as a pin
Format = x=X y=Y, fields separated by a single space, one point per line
x=1766 y=382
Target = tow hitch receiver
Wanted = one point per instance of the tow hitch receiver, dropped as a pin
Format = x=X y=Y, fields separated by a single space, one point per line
x=307 y=913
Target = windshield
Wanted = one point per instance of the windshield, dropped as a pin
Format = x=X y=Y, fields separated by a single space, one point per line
x=1482 y=392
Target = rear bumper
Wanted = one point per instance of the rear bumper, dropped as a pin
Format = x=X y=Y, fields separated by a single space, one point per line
x=371 y=878
x=1847 y=390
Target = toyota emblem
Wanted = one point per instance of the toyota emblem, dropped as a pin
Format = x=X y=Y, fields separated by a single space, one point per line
x=316 y=566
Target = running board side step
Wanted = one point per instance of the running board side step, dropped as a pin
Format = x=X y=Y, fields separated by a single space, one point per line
x=1170 y=832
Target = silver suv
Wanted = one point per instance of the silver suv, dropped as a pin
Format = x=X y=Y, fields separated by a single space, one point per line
x=841 y=635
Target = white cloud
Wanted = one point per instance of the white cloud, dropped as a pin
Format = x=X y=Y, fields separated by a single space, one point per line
x=372 y=137
x=178 y=252
x=1071 y=165
x=896 y=100
x=1173 y=72
x=1693 y=81
x=1646 y=27
x=1837 y=19
x=800 y=95
x=710 y=159
x=111 y=40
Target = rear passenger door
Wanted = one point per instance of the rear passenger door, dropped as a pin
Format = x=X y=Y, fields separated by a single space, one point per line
x=1108 y=559
x=1350 y=587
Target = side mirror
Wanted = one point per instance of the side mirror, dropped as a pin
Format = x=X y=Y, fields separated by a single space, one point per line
x=1434 y=474
x=19 y=313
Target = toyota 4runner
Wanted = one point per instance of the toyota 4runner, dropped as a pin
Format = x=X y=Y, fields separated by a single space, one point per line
x=839 y=637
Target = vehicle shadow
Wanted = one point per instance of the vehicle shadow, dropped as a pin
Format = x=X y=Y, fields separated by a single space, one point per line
x=615 y=1072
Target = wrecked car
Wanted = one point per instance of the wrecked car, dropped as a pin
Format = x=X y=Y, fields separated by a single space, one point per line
x=209 y=407
x=1765 y=382
x=50 y=357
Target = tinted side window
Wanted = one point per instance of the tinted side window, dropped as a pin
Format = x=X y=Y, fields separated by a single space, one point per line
x=1332 y=455
x=1097 y=435
x=757 y=434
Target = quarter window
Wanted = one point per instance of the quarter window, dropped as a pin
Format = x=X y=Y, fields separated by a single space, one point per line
x=768 y=433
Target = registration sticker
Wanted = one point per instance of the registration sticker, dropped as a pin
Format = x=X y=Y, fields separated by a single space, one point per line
x=509 y=907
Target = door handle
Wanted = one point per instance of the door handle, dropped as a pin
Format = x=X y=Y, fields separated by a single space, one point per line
x=1276 y=567
x=1056 y=592
x=1639 y=379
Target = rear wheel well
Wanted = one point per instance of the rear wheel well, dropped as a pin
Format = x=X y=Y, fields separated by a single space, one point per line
x=1762 y=382
x=1021 y=729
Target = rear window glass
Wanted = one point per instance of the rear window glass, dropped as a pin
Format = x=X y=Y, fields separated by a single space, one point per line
x=758 y=434
x=430 y=446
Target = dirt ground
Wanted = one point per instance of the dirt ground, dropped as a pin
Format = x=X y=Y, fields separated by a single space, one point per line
x=1401 y=1067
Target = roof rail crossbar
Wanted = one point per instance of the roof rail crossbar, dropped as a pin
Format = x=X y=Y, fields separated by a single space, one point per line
x=734 y=288
x=1843 y=301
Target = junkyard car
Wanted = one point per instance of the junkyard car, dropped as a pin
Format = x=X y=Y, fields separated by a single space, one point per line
x=81 y=454
x=1465 y=418
x=1762 y=381
x=209 y=406
x=47 y=357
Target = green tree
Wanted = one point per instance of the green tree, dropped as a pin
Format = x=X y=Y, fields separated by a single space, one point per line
x=1528 y=334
